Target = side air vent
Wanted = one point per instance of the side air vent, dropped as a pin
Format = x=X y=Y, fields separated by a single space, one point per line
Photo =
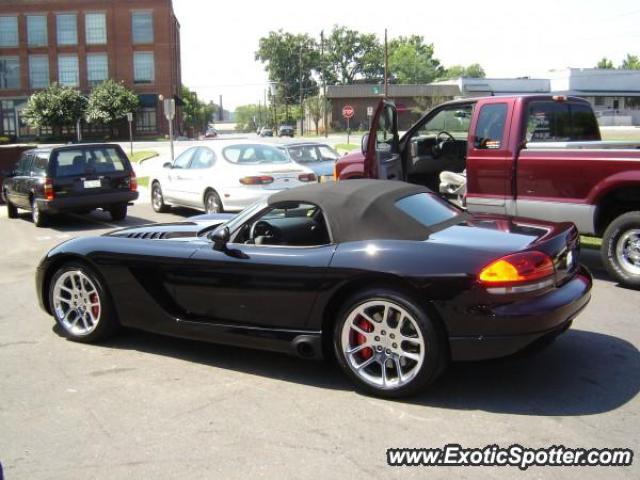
x=159 y=235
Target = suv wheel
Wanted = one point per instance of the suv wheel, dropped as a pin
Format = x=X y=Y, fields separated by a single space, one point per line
x=118 y=212
x=387 y=344
x=39 y=218
x=157 y=200
x=621 y=249
x=12 y=210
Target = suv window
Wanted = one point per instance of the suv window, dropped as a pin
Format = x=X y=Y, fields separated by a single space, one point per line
x=490 y=127
x=427 y=209
x=39 y=166
x=24 y=164
x=551 y=121
x=82 y=161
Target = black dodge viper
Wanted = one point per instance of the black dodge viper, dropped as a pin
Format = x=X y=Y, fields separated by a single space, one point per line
x=387 y=277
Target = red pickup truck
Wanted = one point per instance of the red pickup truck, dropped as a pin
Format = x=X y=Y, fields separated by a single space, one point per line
x=537 y=156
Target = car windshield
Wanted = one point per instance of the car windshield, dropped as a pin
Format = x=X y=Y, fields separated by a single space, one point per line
x=254 y=154
x=243 y=216
x=427 y=209
x=313 y=153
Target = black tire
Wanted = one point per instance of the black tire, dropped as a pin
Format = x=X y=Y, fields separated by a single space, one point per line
x=39 y=218
x=157 y=199
x=12 y=210
x=212 y=203
x=118 y=212
x=435 y=353
x=620 y=238
x=107 y=323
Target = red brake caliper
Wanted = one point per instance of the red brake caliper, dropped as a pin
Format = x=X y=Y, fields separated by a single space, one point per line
x=365 y=353
x=95 y=309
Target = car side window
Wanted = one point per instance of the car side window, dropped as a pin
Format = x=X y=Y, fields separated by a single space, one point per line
x=490 y=127
x=39 y=166
x=203 y=158
x=24 y=165
x=182 y=161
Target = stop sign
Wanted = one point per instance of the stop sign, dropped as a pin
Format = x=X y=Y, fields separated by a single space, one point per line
x=347 y=111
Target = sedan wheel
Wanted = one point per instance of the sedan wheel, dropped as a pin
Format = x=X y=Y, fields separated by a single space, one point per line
x=212 y=203
x=388 y=346
x=80 y=305
x=157 y=199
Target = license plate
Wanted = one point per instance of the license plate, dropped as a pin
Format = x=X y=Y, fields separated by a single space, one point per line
x=92 y=184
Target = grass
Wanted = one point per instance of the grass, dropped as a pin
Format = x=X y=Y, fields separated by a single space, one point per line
x=143 y=182
x=592 y=243
x=142 y=155
x=346 y=146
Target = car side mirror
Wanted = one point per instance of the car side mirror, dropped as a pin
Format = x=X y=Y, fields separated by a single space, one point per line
x=220 y=238
x=167 y=165
x=364 y=143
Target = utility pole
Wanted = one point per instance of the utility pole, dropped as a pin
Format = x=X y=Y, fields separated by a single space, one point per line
x=301 y=97
x=324 y=86
x=386 y=65
x=221 y=113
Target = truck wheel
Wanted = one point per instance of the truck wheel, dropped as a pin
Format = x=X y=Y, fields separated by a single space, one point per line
x=621 y=249
x=12 y=210
x=118 y=212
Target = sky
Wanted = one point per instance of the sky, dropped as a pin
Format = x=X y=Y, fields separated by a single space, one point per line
x=508 y=38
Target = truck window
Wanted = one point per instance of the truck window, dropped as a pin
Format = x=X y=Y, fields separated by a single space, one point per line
x=490 y=127
x=551 y=121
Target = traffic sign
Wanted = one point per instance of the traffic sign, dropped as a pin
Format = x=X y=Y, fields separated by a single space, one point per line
x=369 y=111
x=169 y=108
x=347 y=111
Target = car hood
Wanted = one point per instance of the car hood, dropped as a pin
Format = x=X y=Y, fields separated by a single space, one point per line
x=185 y=230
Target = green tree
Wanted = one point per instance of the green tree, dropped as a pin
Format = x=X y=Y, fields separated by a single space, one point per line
x=316 y=107
x=631 y=62
x=55 y=107
x=351 y=55
x=247 y=117
x=605 y=63
x=110 y=102
x=288 y=58
x=411 y=60
x=474 y=70
x=196 y=114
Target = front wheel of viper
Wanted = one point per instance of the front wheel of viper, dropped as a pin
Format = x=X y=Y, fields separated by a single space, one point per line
x=387 y=344
x=80 y=304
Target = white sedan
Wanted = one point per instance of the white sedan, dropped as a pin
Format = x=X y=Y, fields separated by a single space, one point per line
x=225 y=177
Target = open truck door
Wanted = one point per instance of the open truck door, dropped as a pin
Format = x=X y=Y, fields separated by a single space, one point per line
x=381 y=146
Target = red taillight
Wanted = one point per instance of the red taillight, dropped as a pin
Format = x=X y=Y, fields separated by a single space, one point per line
x=262 y=180
x=133 y=182
x=517 y=269
x=49 y=193
x=307 y=177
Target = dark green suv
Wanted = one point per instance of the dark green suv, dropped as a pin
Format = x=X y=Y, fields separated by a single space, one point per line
x=72 y=178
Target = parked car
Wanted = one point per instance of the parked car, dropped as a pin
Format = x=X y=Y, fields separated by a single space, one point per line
x=211 y=133
x=387 y=277
x=227 y=177
x=9 y=156
x=266 y=132
x=319 y=157
x=72 y=178
x=286 y=131
x=536 y=156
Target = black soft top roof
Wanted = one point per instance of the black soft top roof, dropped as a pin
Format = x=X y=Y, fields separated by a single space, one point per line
x=362 y=209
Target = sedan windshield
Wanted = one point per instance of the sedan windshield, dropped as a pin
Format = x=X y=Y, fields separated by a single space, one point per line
x=254 y=154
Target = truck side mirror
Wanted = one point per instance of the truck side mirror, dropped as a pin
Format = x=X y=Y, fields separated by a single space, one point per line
x=364 y=143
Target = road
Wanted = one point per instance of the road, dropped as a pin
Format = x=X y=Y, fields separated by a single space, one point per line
x=144 y=406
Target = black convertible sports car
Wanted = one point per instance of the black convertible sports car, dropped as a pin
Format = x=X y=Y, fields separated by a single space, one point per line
x=386 y=276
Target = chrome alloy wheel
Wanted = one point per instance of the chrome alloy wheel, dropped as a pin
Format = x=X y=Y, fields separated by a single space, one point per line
x=628 y=251
x=76 y=303
x=212 y=204
x=383 y=344
x=156 y=197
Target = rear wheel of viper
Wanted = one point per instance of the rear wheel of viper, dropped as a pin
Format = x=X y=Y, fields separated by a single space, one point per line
x=80 y=304
x=212 y=203
x=387 y=344
x=157 y=199
x=12 y=210
x=621 y=249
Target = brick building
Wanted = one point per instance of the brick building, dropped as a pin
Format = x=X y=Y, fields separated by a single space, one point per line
x=80 y=43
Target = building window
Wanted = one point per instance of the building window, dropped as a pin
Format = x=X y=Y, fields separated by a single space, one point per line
x=632 y=102
x=67 y=27
x=146 y=120
x=143 y=67
x=68 y=70
x=142 y=27
x=38 y=71
x=9 y=73
x=37 y=30
x=9 y=31
x=97 y=68
x=96 y=28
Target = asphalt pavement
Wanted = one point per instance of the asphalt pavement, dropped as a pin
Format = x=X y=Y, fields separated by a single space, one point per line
x=145 y=406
